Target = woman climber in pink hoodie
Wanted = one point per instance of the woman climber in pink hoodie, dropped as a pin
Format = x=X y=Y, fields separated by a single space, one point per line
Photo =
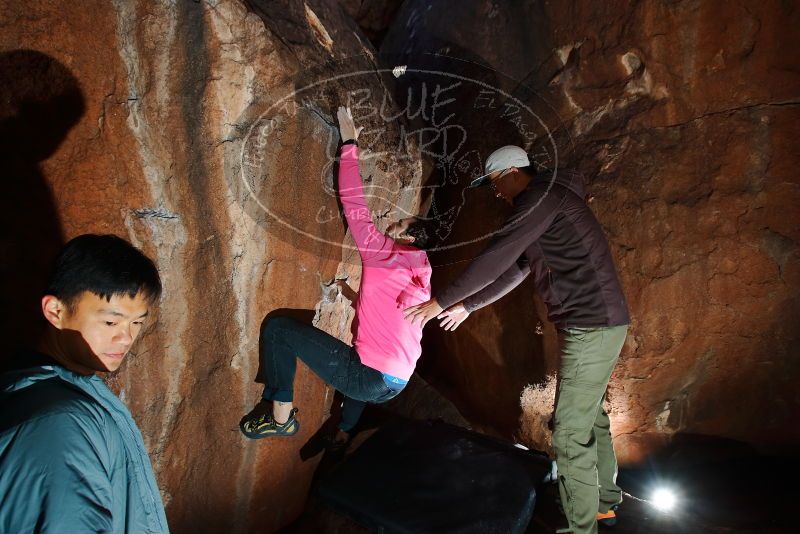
x=395 y=275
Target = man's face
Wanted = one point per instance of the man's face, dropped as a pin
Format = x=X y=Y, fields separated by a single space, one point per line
x=98 y=333
x=397 y=230
x=501 y=184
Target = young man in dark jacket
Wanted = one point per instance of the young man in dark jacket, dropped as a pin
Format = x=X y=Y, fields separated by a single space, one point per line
x=71 y=456
x=553 y=235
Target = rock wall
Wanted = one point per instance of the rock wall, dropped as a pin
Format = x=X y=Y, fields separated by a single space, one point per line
x=684 y=115
x=204 y=132
x=374 y=17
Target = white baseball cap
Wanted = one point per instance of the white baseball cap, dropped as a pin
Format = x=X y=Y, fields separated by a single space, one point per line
x=501 y=159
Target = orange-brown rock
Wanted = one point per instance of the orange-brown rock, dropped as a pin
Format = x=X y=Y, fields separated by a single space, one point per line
x=684 y=116
x=204 y=133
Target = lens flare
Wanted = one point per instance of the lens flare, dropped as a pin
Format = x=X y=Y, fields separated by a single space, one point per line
x=664 y=499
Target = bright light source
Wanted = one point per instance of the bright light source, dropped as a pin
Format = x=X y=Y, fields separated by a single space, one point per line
x=664 y=499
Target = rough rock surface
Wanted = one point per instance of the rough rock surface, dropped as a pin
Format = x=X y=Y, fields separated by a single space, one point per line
x=202 y=132
x=152 y=120
x=684 y=116
x=374 y=17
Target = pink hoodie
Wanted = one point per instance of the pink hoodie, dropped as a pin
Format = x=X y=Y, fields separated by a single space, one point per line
x=393 y=277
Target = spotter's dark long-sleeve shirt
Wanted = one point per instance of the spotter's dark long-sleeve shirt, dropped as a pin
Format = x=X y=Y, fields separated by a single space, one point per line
x=553 y=234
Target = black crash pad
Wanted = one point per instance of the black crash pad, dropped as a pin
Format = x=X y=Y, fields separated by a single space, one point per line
x=422 y=476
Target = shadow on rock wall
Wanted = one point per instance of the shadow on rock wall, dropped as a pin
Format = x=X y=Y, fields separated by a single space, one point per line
x=40 y=101
x=467 y=109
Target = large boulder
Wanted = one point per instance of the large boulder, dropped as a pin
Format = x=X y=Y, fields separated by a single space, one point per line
x=204 y=132
x=683 y=115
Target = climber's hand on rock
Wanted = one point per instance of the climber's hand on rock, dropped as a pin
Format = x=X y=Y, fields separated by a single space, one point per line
x=347 y=128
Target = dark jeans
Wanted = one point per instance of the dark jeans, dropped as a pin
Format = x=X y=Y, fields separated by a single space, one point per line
x=284 y=339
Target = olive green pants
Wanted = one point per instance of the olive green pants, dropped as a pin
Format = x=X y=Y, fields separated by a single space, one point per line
x=587 y=466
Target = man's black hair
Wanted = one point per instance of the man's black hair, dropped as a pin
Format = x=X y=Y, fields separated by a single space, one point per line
x=105 y=265
x=423 y=234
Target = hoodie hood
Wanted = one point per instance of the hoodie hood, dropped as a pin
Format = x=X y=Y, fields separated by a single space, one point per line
x=32 y=368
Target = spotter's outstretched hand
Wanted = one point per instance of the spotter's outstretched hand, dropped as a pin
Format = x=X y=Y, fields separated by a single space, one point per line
x=453 y=316
x=422 y=313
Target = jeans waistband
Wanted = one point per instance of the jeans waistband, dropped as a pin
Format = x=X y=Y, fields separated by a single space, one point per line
x=394 y=383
